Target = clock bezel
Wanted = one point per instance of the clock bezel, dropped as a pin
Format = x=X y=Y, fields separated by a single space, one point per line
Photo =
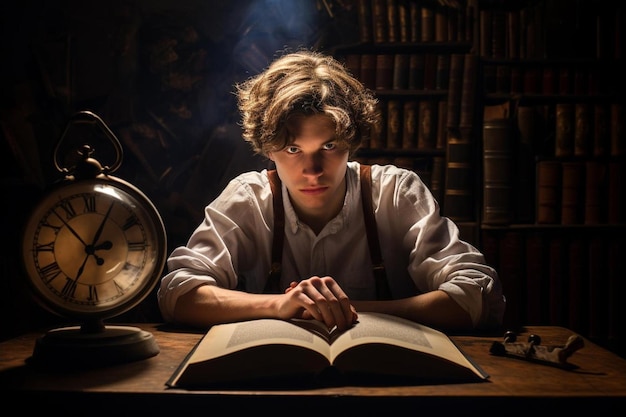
x=148 y=280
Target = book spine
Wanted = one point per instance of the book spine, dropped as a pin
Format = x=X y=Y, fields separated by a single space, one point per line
x=437 y=180
x=416 y=71
x=498 y=172
x=583 y=141
x=441 y=25
x=415 y=19
x=458 y=194
x=564 y=140
x=468 y=93
x=404 y=21
x=379 y=21
x=384 y=71
x=455 y=85
x=548 y=195
x=368 y=70
x=430 y=71
x=596 y=198
x=572 y=193
x=618 y=129
x=364 y=15
x=617 y=192
x=400 y=72
x=442 y=119
x=427 y=24
x=527 y=134
x=601 y=130
x=393 y=29
x=410 y=114
x=394 y=124
x=427 y=125
x=442 y=74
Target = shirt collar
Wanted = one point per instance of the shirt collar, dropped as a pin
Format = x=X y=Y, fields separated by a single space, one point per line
x=342 y=220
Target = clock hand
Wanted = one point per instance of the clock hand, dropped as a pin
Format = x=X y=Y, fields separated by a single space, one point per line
x=70 y=228
x=106 y=245
x=82 y=268
x=104 y=220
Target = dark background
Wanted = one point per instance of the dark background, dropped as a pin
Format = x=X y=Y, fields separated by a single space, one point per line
x=161 y=75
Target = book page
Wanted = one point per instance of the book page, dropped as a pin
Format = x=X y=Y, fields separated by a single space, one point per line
x=225 y=339
x=389 y=344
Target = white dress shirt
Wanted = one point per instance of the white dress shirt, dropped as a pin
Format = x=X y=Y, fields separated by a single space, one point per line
x=421 y=249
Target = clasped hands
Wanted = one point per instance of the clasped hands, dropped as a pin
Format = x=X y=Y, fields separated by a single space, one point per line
x=320 y=298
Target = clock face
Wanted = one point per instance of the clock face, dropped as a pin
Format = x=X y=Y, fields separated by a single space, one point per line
x=93 y=248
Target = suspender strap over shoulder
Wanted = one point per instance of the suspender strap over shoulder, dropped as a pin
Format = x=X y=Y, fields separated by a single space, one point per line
x=382 y=286
x=272 y=285
x=279 y=233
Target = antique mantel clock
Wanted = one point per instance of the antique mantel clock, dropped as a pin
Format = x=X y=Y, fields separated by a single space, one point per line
x=93 y=247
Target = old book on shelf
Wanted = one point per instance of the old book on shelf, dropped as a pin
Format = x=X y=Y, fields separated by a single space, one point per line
x=596 y=192
x=498 y=171
x=379 y=345
x=384 y=71
x=601 y=129
x=393 y=29
x=379 y=21
x=468 y=91
x=548 y=194
x=564 y=133
x=618 y=129
x=417 y=64
x=458 y=196
x=583 y=134
x=410 y=117
x=528 y=131
x=400 y=79
x=573 y=192
x=455 y=85
x=427 y=125
x=394 y=124
x=368 y=70
x=364 y=15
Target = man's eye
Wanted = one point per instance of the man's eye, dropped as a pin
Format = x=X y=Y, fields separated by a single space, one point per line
x=330 y=146
x=291 y=149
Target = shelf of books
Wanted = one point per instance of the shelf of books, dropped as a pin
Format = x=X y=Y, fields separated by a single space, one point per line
x=416 y=56
x=553 y=153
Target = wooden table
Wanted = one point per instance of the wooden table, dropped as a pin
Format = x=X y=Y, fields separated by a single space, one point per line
x=515 y=387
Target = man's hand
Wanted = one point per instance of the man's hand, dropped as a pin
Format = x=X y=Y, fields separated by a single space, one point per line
x=320 y=299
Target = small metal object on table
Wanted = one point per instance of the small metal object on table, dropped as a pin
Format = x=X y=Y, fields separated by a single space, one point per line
x=534 y=351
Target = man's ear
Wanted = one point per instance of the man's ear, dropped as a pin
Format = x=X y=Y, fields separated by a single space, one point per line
x=270 y=156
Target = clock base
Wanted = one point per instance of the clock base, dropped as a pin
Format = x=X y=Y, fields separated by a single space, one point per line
x=73 y=347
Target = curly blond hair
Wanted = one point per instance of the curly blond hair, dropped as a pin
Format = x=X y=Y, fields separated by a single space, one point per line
x=304 y=82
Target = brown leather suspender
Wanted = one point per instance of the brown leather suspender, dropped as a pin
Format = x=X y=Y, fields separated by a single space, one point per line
x=382 y=286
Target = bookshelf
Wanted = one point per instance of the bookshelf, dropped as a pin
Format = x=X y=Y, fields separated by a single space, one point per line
x=553 y=223
x=529 y=159
x=412 y=54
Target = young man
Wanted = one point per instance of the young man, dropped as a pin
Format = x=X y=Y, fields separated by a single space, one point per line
x=308 y=115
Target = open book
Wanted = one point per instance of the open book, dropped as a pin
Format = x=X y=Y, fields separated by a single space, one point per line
x=378 y=347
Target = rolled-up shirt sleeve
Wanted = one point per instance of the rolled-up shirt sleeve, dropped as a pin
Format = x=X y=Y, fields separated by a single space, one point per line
x=437 y=258
x=233 y=230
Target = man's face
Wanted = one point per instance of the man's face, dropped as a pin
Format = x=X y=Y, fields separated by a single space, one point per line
x=313 y=167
